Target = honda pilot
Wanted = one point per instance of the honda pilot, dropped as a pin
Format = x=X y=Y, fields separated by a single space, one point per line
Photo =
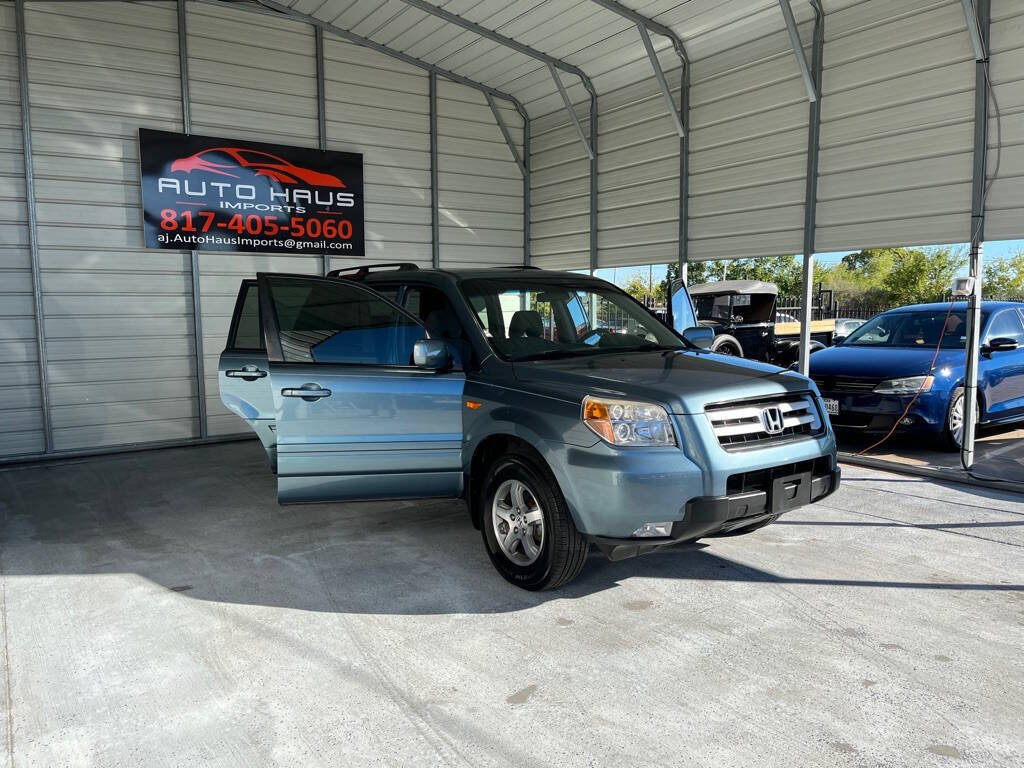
x=559 y=408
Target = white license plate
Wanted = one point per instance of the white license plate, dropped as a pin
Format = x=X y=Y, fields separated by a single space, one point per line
x=831 y=406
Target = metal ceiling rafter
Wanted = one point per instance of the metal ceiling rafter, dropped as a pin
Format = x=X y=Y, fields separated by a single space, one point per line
x=273 y=8
x=659 y=75
x=798 y=49
x=683 y=115
x=554 y=64
x=504 y=132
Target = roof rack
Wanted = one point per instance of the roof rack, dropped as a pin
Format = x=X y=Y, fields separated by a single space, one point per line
x=358 y=273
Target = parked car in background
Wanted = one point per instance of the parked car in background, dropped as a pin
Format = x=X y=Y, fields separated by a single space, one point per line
x=744 y=316
x=557 y=406
x=845 y=326
x=869 y=378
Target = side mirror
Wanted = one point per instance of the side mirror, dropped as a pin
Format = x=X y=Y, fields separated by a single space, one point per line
x=431 y=354
x=999 y=344
x=700 y=336
x=838 y=339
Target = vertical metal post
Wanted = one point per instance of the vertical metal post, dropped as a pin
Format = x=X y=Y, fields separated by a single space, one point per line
x=811 y=185
x=684 y=171
x=197 y=308
x=981 y=96
x=321 y=108
x=33 y=225
x=593 y=182
x=435 y=224
x=526 y=189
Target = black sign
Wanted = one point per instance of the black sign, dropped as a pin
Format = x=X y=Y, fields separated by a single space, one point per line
x=200 y=193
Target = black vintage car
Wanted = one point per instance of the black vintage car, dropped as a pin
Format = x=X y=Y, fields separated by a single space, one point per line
x=743 y=315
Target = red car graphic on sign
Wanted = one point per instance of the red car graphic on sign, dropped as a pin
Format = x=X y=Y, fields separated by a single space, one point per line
x=226 y=161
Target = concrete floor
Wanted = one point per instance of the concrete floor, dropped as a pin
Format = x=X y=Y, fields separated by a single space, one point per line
x=999 y=452
x=159 y=608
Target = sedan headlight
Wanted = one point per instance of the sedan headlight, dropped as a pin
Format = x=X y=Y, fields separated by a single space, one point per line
x=908 y=385
x=627 y=422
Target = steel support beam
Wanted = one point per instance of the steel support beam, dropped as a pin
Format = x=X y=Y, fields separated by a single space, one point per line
x=593 y=181
x=980 y=11
x=798 y=50
x=197 y=310
x=321 y=109
x=526 y=191
x=571 y=110
x=659 y=75
x=974 y=30
x=435 y=217
x=505 y=134
x=33 y=226
x=811 y=183
x=277 y=9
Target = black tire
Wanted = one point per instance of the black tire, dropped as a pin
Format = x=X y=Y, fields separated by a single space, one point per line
x=727 y=345
x=949 y=438
x=563 y=549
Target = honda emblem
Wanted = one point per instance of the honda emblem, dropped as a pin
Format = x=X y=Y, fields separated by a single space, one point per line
x=771 y=419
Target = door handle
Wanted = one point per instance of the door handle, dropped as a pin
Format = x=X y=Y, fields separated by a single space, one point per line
x=308 y=392
x=247 y=372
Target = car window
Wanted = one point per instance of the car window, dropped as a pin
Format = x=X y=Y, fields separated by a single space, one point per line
x=536 y=317
x=246 y=332
x=336 y=321
x=917 y=328
x=1007 y=325
x=714 y=308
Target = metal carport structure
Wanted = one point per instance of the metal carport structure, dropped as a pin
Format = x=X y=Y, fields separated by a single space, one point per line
x=629 y=133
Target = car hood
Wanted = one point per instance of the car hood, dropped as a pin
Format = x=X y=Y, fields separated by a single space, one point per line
x=685 y=381
x=881 y=362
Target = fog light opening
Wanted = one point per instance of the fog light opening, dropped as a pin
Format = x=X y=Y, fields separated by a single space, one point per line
x=654 y=529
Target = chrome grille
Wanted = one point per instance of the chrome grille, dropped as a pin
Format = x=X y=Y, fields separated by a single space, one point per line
x=753 y=423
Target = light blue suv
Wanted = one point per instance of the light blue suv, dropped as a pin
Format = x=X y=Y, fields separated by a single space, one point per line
x=558 y=407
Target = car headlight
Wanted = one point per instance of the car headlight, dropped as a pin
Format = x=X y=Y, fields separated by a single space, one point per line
x=627 y=422
x=908 y=385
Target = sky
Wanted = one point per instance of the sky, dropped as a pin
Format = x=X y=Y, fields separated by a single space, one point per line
x=620 y=276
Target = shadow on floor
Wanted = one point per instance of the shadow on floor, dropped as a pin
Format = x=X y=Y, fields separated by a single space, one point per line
x=204 y=522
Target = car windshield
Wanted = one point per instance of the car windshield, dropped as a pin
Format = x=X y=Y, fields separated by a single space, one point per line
x=536 y=318
x=920 y=328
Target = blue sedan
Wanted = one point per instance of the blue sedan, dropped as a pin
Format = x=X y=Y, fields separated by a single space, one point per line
x=868 y=380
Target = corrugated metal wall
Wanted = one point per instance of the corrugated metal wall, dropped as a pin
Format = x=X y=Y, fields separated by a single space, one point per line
x=118 y=320
x=897 y=125
x=21 y=420
x=481 y=187
x=1004 y=219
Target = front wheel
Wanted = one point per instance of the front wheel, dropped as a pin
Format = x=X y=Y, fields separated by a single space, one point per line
x=527 y=529
x=953 y=433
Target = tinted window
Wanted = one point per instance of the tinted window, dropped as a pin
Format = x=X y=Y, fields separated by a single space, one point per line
x=337 y=322
x=248 y=333
x=921 y=328
x=1006 y=325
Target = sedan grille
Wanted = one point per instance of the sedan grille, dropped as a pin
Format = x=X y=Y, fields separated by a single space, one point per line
x=852 y=384
x=755 y=423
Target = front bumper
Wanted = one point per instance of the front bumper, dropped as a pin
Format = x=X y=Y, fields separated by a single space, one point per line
x=718 y=515
x=870 y=412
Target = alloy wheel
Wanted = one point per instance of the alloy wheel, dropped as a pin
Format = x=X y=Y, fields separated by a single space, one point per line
x=518 y=522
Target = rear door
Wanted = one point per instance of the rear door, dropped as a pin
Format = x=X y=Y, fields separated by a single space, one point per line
x=243 y=375
x=355 y=418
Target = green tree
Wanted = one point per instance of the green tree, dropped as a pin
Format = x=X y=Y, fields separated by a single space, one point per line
x=1004 y=278
x=923 y=275
x=637 y=287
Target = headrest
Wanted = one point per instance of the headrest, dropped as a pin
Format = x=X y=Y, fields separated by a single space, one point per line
x=526 y=322
x=442 y=323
